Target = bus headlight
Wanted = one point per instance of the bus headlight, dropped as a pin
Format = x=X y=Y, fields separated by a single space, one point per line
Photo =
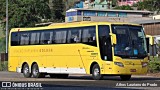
x=119 y=64
x=144 y=64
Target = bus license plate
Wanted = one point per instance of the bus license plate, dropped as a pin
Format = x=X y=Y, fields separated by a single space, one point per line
x=132 y=70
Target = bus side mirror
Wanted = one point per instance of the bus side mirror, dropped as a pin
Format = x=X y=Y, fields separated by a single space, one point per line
x=150 y=39
x=114 y=39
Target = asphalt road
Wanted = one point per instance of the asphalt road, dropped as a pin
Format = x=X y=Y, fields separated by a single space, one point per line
x=82 y=82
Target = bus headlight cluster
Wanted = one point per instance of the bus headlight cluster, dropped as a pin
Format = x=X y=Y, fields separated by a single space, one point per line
x=144 y=64
x=119 y=64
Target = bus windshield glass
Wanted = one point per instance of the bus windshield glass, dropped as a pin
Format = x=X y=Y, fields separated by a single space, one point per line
x=131 y=42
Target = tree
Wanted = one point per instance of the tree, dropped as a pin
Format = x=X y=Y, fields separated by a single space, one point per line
x=124 y=7
x=58 y=10
x=114 y=3
x=151 y=5
x=25 y=13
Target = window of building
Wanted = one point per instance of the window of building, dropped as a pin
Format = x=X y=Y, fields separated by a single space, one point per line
x=89 y=13
x=122 y=14
x=79 y=13
x=112 y=14
x=101 y=14
x=74 y=13
x=145 y=15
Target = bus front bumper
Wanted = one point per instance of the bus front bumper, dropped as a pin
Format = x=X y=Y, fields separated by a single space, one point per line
x=129 y=69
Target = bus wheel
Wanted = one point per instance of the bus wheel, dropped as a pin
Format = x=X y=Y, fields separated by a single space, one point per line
x=36 y=73
x=125 y=77
x=26 y=71
x=96 y=74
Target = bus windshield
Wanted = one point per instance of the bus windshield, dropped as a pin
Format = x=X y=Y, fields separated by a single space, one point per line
x=131 y=42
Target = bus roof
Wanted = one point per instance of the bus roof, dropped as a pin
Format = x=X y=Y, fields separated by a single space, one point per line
x=67 y=25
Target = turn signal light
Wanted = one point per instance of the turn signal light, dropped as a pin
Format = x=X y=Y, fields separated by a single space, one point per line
x=144 y=64
x=119 y=64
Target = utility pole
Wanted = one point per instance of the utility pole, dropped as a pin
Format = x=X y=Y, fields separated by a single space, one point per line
x=6 y=26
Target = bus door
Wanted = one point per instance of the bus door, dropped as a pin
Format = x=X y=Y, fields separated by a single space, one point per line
x=105 y=46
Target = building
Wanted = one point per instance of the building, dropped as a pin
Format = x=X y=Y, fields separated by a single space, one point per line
x=127 y=2
x=79 y=4
x=155 y=17
x=93 y=4
x=151 y=27
x=79 y=14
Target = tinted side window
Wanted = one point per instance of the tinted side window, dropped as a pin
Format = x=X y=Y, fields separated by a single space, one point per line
x=46 y=37
x=60 y=36
x=14 y=39
x=74 y=35
x=89 y=36
x=24 y=38
x=35 y=36
x=105 y=42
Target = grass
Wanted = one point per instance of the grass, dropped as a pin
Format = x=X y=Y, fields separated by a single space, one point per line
x=155 y=58
x=3 y=66
x=154 y=65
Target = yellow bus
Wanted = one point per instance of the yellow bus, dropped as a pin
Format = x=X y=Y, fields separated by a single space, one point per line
x=97 y=48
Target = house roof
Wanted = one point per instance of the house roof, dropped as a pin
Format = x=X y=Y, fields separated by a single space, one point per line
x=111 y=10
x=147 y=21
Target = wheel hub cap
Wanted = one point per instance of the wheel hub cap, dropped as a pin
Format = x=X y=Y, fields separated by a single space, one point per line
x=35 y=71
x=26 y=70
x=96 y=72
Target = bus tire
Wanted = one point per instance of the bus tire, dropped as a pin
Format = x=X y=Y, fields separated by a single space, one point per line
x=36 y=73
x=26 y=72
x=125 y=77
x=96 y=74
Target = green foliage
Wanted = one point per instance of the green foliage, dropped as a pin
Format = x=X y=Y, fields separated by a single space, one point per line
x=124 y=7
x=152 y=5
x=155 y=58
x=25 y=13
x=114 y=2
x=140 y=6
x=58 y=9
x=154 y=66
x=2 y=45
x=2 y=9
x=4 y=66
